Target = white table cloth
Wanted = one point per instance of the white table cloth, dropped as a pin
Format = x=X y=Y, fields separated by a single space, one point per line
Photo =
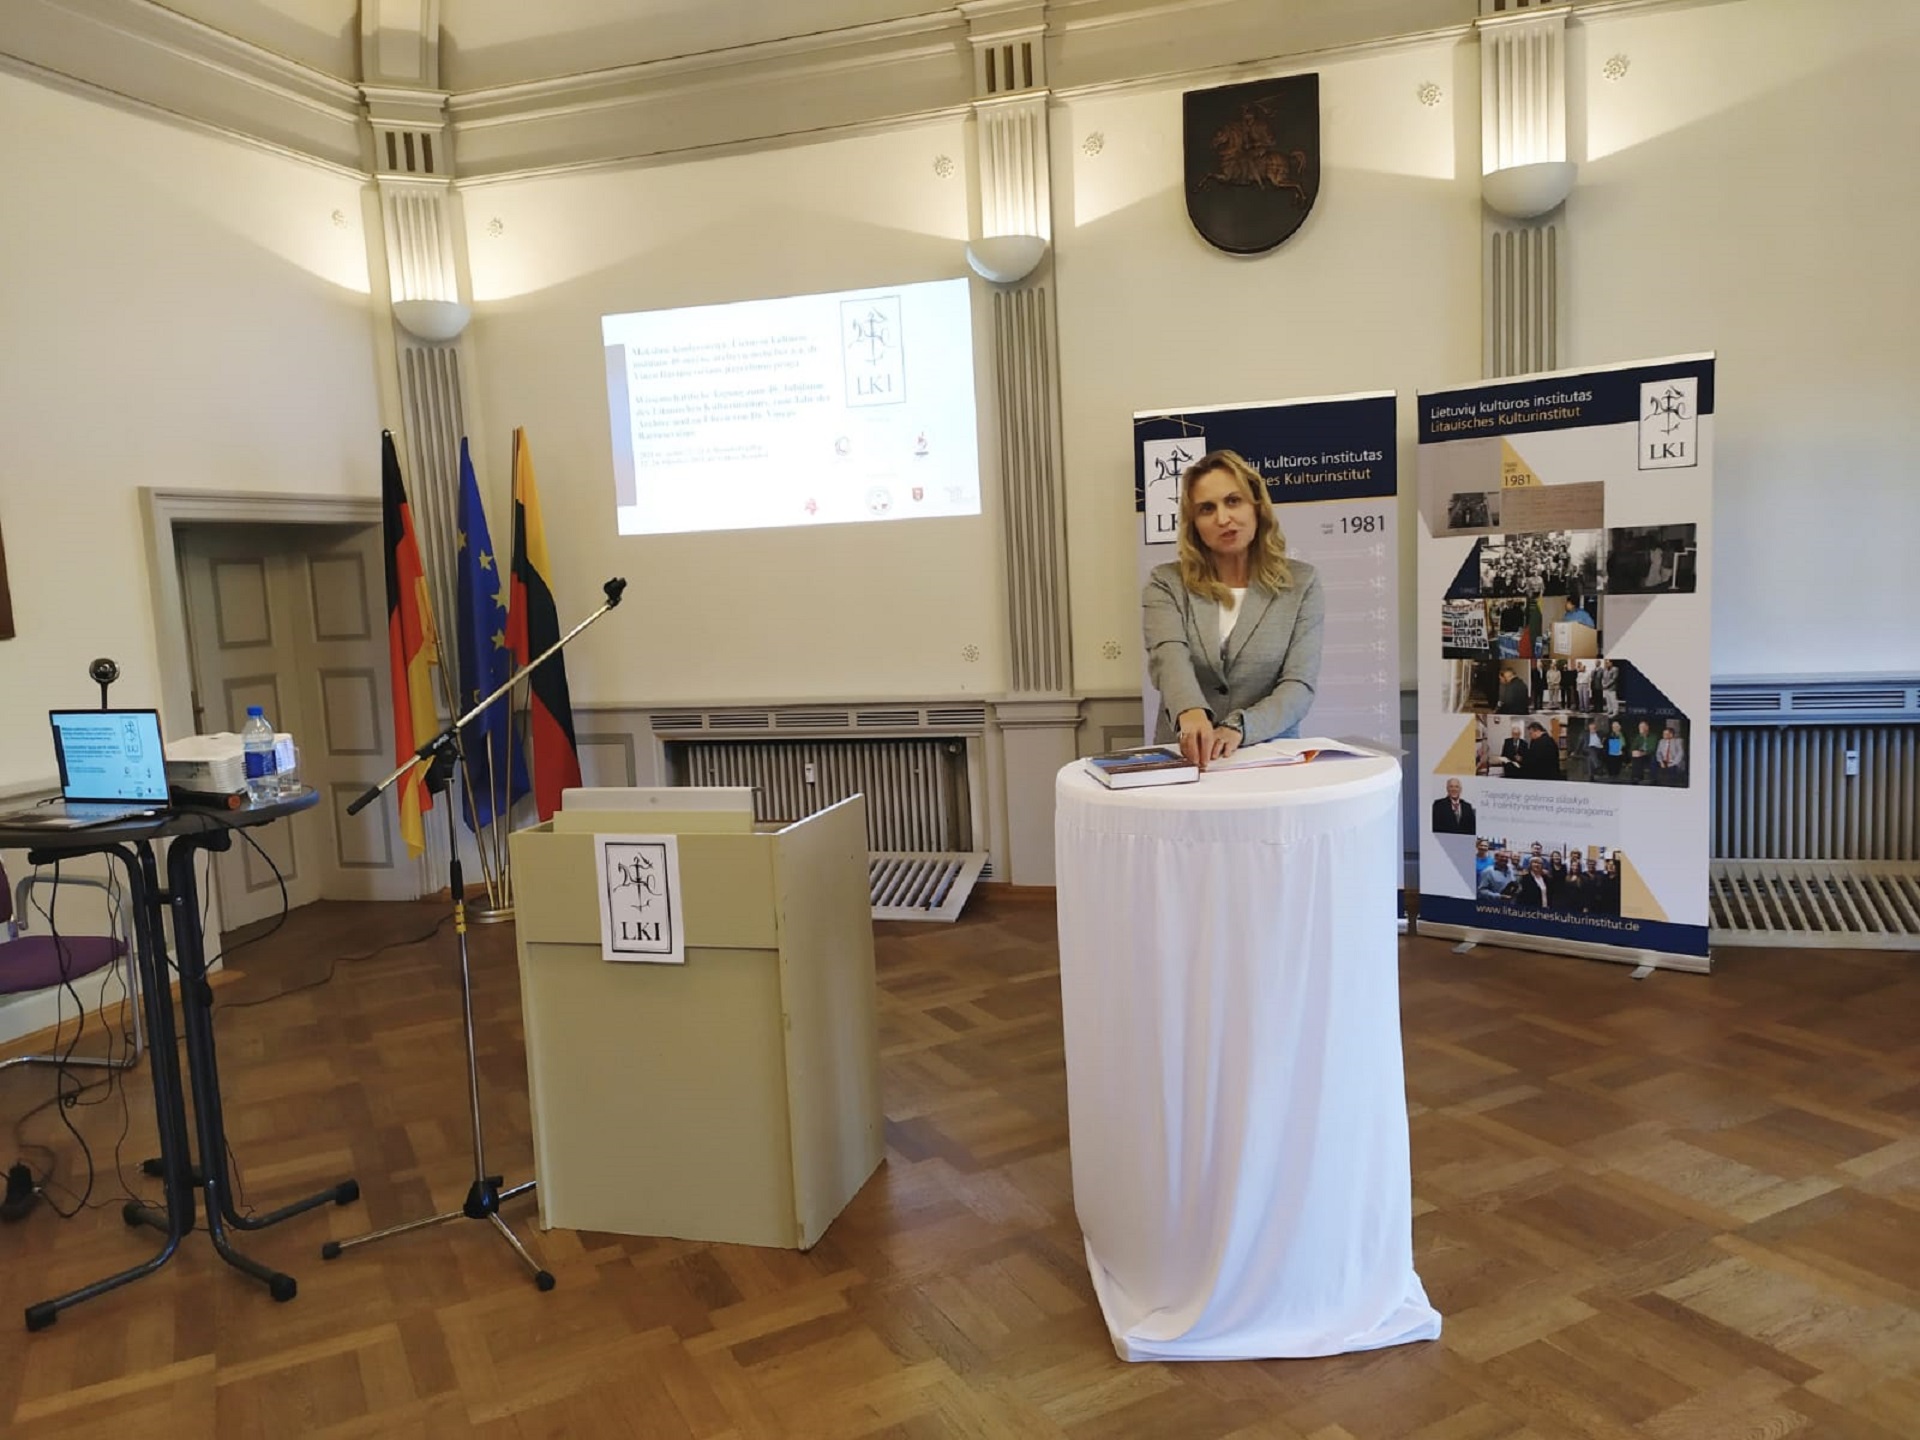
x=1235 y=1089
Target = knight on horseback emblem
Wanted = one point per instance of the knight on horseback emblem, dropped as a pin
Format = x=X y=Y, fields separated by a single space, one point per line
x=1252 y=161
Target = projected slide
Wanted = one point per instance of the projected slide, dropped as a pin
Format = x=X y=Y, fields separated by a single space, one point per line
x=810 y=410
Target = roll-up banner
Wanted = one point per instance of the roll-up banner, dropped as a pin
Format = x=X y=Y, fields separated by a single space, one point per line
x=1331 y=471
x=1565 y=539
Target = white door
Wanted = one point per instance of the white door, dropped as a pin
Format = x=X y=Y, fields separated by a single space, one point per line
x=346 y=744
x=292 y=618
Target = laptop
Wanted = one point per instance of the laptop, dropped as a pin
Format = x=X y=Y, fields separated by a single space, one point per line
x=113 y=767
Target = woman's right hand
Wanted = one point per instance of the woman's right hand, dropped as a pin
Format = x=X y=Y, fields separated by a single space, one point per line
x=1196 y=736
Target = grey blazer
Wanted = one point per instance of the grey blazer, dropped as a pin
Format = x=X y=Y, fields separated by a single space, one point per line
x=1262 y=684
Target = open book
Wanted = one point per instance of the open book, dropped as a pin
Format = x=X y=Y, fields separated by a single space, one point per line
x=1164 y=764
x=1289 y=752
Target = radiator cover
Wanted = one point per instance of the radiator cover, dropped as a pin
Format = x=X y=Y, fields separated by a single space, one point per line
x=916 y=787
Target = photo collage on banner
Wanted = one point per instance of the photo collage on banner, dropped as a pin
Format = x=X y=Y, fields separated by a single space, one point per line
x=1563 y=659
x=1332 y=474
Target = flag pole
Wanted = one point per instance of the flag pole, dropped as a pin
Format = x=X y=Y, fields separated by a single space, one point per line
x=449 y=697
x=486 y=764
x=480 y=913
x=499 y=904
x=533 y=623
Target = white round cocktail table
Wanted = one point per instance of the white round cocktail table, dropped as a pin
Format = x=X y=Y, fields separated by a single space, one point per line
x=1235 y=1089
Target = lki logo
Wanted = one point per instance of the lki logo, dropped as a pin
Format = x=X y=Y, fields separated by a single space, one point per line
x=1161 y=462
x=1670 y=423
x=872 y=351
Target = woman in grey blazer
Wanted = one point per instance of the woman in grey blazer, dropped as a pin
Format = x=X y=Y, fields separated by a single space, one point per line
x=1233 y=629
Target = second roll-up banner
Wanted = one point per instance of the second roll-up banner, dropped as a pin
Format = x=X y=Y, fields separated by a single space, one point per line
x=1565 y=549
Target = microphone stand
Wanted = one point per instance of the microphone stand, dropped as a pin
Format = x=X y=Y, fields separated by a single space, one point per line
x=441 y=754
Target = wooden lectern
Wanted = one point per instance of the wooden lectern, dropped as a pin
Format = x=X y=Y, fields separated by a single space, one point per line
x=733 y=1098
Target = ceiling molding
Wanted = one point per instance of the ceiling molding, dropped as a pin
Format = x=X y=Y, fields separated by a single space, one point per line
x=142 y=52
x=1235 y=71
x=893 y=70
x=95 y=94
x=872 y=42
x=758 y=144
x=776 y=92
x=1097 y=46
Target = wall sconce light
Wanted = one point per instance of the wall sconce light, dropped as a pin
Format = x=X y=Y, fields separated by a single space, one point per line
x=434 y=321
x=1521 y=192
x=1006 y=259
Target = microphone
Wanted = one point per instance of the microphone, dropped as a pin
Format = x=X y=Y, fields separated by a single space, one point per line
x=614 y=589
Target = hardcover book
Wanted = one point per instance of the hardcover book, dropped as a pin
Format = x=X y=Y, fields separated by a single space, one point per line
x=1152 y=765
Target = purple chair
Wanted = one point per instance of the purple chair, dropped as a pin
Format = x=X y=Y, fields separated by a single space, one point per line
x=41 y=961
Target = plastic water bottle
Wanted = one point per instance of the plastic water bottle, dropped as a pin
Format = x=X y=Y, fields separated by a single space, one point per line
x=256 y=737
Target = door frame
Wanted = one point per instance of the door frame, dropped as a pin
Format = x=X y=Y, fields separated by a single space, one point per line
x=161 y=510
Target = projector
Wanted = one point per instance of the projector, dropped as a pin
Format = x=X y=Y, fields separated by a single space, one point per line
x=210 y=764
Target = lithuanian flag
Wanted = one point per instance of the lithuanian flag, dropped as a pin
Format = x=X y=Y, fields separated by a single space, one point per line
x=411 y=648
x=533 y=625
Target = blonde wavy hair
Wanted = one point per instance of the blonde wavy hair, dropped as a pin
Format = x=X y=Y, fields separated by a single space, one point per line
x=1266 y=556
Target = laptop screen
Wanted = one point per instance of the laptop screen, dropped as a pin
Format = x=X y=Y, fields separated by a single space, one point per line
x=110 y=755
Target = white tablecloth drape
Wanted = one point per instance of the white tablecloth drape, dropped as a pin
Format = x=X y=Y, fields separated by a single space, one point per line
x=1235 y=1088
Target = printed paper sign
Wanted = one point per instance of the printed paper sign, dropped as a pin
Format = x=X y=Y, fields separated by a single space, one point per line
x=641 y=916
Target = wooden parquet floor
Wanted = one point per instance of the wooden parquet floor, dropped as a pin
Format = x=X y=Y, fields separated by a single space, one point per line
x=1684 y=1208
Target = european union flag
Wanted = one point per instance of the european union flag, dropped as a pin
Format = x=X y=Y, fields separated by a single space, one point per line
x=496 y=771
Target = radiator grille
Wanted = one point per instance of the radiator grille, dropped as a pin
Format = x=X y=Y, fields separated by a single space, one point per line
x=1886 y=699
x=916 y=790
x=921 y=887
x=1815 y=903
x=938 y=720
x=1759 y=702
x=1785 y=795
x=1806 y=854
x=963 y=717
x=811 y=719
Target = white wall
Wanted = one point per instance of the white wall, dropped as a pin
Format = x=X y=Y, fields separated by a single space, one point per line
x=1751 y=187
x=876 y=610
x=183 y=311
x=177 y=310
x=1378 y=289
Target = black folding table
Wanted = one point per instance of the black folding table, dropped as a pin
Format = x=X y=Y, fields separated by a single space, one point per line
x=131 y=844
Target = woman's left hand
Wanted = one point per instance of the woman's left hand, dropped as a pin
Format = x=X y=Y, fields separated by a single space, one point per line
x=1226 y=740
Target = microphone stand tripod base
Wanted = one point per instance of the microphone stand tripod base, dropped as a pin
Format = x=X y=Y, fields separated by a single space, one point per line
x=442 y=754
x=484 y=1195
x=482 y=1203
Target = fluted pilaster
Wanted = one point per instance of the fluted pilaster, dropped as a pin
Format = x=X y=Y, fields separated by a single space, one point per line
x=1525 y=180
x=422 y=265
x=1034 y=519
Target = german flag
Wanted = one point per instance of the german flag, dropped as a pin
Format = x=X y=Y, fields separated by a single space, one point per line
x=411 y=648
x=533 y=625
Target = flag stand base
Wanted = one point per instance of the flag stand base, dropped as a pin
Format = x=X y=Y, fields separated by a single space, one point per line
x=482 y=913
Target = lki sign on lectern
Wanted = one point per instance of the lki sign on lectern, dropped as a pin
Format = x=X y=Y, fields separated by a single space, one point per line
x=641 y=914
